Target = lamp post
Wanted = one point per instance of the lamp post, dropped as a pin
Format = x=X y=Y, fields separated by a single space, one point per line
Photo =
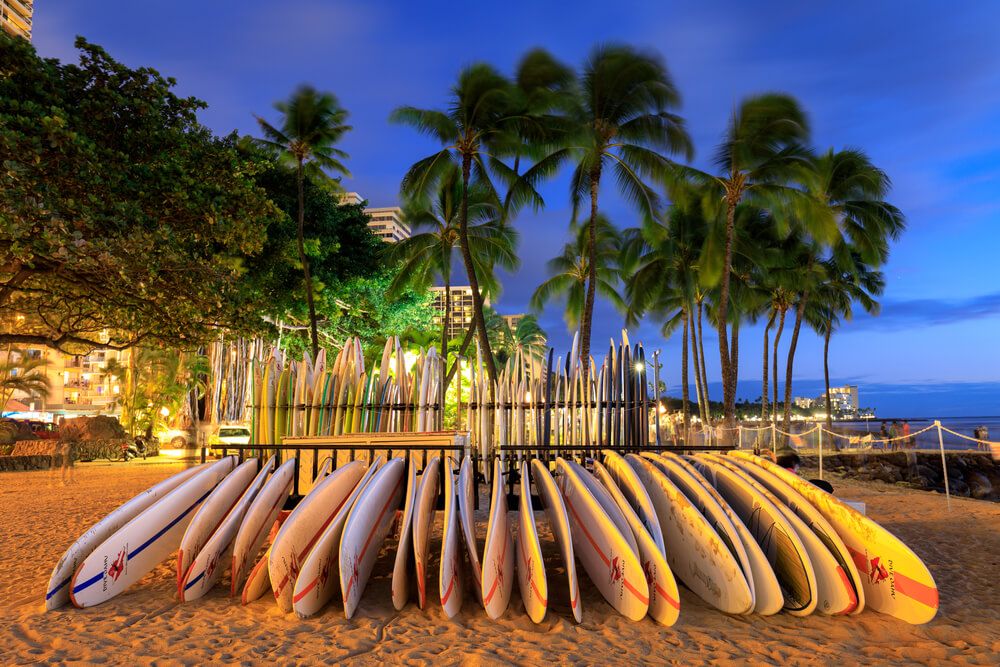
x=656 y=392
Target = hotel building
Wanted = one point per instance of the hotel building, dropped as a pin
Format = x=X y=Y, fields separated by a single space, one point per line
x=461 y=309
x=388 y=224
x=15 y=17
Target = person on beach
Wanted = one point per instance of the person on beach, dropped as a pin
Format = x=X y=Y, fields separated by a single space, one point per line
x=883 y=433
x=907 y=441
x=789 y=461
x=893 y=434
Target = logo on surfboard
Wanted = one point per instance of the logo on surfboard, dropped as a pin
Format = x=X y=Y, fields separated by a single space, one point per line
x=877 y=573
x=118 y=566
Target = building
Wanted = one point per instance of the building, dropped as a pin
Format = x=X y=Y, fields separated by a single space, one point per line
x=843 y=400
x=350 y=198
x=462 y=309
x=803 y=402
x=15 y=17
x=513 y=320
x=78 y=385
x=388 y=224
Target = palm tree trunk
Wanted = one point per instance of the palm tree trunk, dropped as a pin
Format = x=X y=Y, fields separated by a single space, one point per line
x=466 y=340
x=704 y=370
x=728 y=386
x=763 y=384
x=470 y=269
x=774 y=368
x=734 y=360
x=799 y=312
x=305 y=261
x=826 y=373
x=702 y=414
x=588 y=302
x=685 y=390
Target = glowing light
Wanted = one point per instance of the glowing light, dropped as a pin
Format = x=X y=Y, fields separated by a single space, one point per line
x=527 y=395
x=639 y=367
x=165 y=411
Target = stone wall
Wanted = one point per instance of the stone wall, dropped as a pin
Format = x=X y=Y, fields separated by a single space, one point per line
x=970 y=474
x=9 y=463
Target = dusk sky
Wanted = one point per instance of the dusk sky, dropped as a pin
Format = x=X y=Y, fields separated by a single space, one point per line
x=915 y=84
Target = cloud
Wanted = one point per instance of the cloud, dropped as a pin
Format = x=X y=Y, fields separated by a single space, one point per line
x=900 y=314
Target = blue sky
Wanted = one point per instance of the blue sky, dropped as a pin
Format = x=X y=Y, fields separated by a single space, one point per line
x=916 y=84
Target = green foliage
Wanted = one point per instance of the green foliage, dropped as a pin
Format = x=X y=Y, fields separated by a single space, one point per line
x=122 y=219
x=18 y=373
x=154 y=379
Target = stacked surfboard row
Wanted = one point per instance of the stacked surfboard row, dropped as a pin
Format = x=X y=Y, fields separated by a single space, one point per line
x=306 y=398
x=741 y=533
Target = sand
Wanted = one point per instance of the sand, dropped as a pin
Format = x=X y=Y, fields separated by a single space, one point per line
x=145 y=625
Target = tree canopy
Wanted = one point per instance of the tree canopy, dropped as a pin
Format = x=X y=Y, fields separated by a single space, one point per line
x=123 y=220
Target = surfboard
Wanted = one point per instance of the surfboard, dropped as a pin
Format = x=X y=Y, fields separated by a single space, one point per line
x=366 y=527
x=451 y=585
x=57 y=590
x=258 y=582
x=144 y=542
x=555 y=509
x=404 y=546
x=664 y=598
x=694 y=551
x=466 y=507
x=767 y=595
x=633 y=490
x=208 y=565
x=530 y=565
x=836 y=592
x=776 y=537
x=304 y=526
x=498 y=556
x=607 y=556
x=209 y=516
x=894 y=579
x=315 y=585
x=712 y=511
x=260 y=516
x=423 y=517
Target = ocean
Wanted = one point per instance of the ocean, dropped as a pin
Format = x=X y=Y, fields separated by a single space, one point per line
x=929 y=440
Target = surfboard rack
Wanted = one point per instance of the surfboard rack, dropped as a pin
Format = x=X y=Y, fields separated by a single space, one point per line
x=343 y=449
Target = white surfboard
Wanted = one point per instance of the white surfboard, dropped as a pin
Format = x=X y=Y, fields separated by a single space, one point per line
x=404 y=546
x=767 y=596
x=835 y=593
x=316 y=584
x=451 y=585
x=304 y=526
x=211 y=561
x=423 y=518
x=895 y=580
x=695 y=552
x=777 y=538
x=498 y=555
x=260 y=516
x=609 y=559
x=664 y=598
x=712 y=510
x=530 y=567
x=258 y=582
x=144 y=542
x=57 y=591
x=636 y=494
x=607 y=503
x=210 y=515
x=365 y=529
x=558 y=517
x=466 y=505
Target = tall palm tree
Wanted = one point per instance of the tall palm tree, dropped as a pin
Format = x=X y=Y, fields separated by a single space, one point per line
x=624 y=123
x=481 y=112
x=761 y=151
x=833 y=303
x=570 y=272
x=527 y=338
x=848 y=214
x=312 y=123
x=427 y=255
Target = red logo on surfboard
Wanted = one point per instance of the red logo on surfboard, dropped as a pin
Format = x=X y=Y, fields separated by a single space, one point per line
x=876 y=571
x=118 y=566
x=617 y=569
x=213 y=561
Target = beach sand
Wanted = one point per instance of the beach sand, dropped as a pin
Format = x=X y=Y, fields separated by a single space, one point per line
x=145 y=625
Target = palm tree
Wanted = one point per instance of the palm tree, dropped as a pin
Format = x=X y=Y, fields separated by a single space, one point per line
x=760 y=153
x=833 y=302
x=570 y=272
x=850 y=216
x=20 y=373
x=426 y=256
x=527 y=338
x=480 y=114
x=622 y=123
x=311 y=124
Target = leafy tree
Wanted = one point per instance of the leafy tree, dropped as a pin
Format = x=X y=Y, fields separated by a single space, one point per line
x=311 y=123
x=622 y=122
x=527 y=338
x=122 y=219
x=337 y=238
x=570 y=271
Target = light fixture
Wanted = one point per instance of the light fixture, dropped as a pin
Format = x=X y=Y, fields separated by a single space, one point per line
x=165 y=411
